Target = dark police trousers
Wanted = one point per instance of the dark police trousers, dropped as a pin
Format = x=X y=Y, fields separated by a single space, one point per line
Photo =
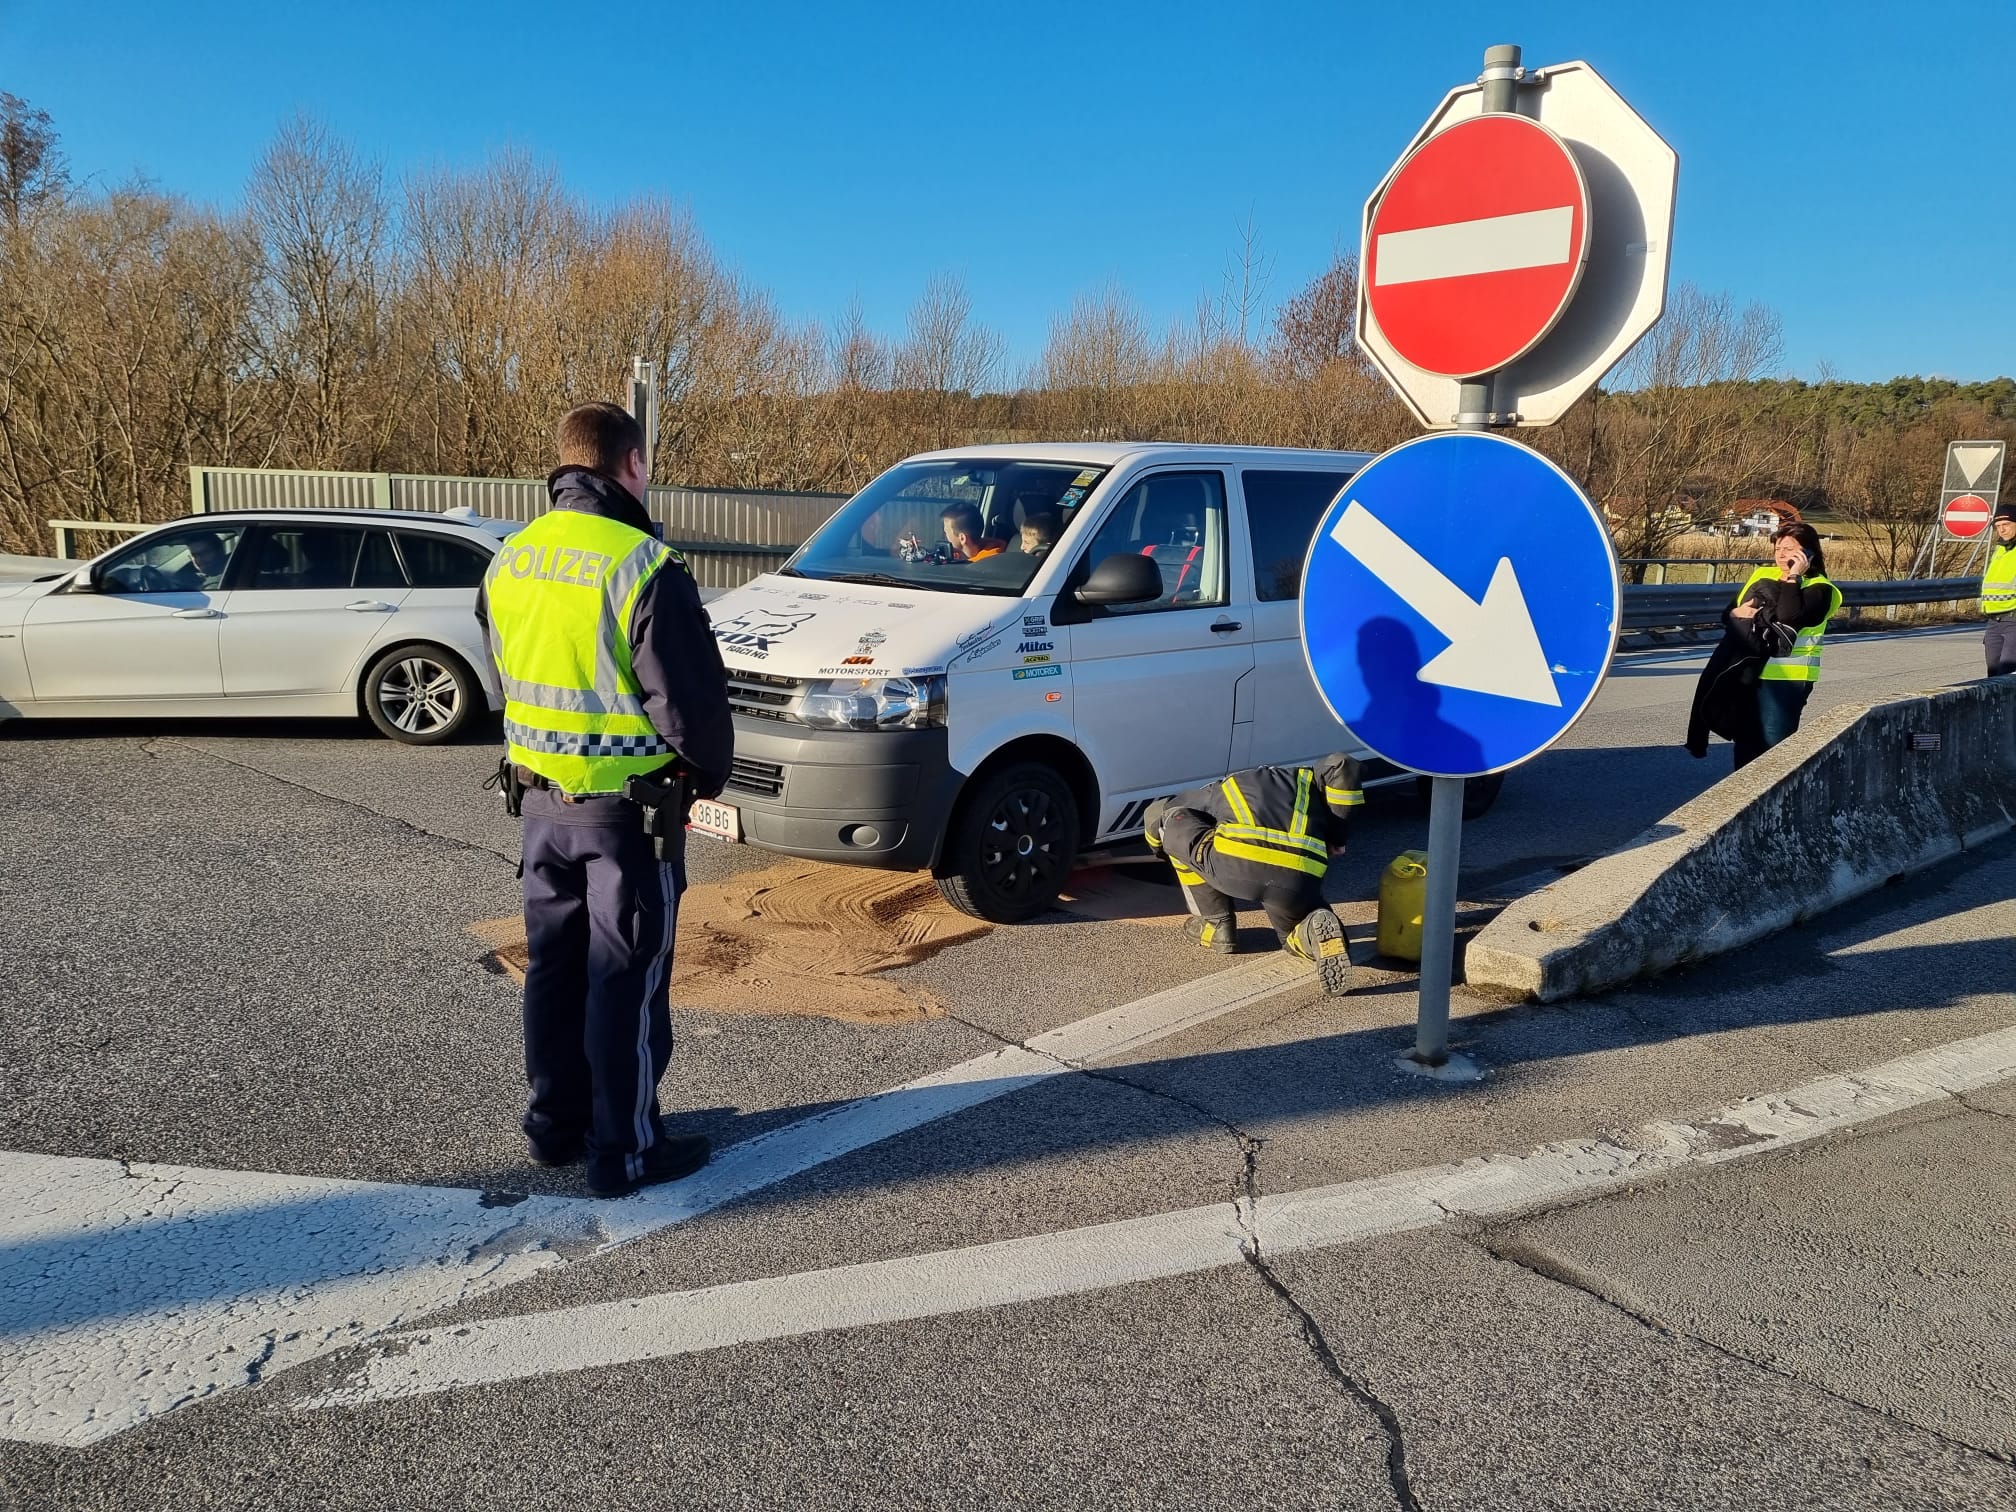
x=600 y=913
x=1289 y=896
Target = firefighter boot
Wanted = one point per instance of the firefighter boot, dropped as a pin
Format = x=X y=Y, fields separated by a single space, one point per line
x=1220 y=936
x=1320 y=939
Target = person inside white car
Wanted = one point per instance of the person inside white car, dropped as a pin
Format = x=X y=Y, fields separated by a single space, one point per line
x=204 y=571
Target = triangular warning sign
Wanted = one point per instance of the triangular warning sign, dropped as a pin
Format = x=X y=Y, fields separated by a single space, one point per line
x=1973 y=462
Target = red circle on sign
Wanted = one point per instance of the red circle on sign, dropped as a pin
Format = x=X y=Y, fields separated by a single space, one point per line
x=1477 y=245
x=1966 y=516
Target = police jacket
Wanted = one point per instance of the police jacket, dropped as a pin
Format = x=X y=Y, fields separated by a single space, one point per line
x=674 y=659
x=1279 y=818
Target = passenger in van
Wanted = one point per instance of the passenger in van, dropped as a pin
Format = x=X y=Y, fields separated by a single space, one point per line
x=963 y=533
x=1039 y=533
x=1267 y=834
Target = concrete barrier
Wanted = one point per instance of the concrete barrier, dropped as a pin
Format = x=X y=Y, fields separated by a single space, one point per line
x=1860 y=796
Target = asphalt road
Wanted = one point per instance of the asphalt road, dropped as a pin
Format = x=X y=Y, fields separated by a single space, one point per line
x=244 y=949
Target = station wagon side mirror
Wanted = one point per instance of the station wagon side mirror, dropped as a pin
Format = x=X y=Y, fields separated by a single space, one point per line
x=1126 y=577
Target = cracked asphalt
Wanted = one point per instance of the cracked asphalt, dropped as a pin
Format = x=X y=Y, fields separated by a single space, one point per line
x=244 y=947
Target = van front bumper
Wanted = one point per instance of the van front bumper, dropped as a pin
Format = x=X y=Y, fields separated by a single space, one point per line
x=868 y=797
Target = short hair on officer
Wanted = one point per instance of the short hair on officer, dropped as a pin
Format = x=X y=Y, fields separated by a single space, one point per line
x=600 y=437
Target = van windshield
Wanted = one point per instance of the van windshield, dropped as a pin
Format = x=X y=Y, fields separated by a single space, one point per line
x=951 y=527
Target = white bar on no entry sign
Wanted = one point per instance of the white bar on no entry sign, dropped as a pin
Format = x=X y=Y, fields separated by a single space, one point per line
x=1495 y=244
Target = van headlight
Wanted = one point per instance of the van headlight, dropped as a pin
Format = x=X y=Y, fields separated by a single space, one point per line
x=874 y=703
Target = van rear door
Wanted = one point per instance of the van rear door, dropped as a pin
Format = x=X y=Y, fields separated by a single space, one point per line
x=1291 y=723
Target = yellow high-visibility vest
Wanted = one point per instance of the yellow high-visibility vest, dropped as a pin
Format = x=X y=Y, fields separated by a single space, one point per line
x=1293 y=847
x=560 y=593
x=1802 y=662
x=1998 y=583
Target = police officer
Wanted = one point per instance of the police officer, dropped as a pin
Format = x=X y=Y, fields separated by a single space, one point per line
x=1266 y=834
x=610 y=674
x=1998 y=595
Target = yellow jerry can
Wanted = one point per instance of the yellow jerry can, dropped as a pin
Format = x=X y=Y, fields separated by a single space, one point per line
x=1402 y=890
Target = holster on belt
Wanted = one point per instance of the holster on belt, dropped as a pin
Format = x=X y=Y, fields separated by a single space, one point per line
x=664 y=800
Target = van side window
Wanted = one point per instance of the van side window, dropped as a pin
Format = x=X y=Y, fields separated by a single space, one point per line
x=1177 y=520
x=1282 y=512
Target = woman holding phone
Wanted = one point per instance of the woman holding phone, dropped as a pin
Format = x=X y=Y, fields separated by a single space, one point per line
x=1755 y=688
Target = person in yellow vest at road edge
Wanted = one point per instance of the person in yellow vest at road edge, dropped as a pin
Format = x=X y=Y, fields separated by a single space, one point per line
x=612 y=683
x=1806 y=602
x=1998 y=595
x=1267 y=834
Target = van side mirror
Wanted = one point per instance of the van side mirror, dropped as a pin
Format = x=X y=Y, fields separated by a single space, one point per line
x=1126 y=577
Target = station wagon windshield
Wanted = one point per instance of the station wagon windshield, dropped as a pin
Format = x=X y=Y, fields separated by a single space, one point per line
x=950 y=527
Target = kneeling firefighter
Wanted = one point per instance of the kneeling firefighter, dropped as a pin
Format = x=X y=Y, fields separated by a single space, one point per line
x=1267 y=834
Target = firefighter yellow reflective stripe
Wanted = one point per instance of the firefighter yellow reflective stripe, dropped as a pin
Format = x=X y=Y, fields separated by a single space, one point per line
x=1802 y=662
x=1343 y=797
x=1299 y=825
x=1267 y=856
x=1207 y=934
x=1241 y=809
x=1998 y=583
x=1185 y=875
x=1283 y=838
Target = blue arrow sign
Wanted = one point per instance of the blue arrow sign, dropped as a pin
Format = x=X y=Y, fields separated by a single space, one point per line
x=1459 y=605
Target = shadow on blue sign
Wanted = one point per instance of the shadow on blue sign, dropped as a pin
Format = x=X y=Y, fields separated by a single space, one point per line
x=1395 y=699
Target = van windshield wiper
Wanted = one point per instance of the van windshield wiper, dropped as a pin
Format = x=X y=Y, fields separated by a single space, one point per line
x=879 y=579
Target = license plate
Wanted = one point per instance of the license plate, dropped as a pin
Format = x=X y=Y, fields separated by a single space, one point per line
x=717 y=819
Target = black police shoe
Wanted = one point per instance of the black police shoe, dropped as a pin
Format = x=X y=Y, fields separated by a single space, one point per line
x=673 y=1156
x=556 y=1155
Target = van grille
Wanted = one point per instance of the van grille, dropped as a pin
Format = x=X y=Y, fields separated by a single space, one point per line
x=763 y=696
x=763 y=778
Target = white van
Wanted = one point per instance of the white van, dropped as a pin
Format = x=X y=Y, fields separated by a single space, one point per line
x=996 y=718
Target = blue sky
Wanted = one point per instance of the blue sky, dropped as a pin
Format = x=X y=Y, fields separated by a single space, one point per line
x=1847 y=164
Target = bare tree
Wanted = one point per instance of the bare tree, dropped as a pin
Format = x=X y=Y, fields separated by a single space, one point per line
x=32 y=171
x=1685 y=434
x=946 y=357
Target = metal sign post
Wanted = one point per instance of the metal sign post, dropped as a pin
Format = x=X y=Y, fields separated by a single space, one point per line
x=1507 y=268
x=1445 y=794
x=643 y=405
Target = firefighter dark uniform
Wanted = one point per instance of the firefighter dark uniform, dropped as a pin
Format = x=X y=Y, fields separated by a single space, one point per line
x=1264 y=834
x=610 y=671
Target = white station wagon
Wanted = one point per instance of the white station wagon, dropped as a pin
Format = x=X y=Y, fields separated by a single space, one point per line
x=307 y=612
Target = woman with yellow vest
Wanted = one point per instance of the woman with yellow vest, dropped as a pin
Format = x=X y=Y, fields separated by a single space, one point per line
x=1794 y=595
x=1998 y=595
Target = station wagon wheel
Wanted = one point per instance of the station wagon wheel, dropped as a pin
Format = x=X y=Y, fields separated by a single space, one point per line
x=420 y=695
x=1012 y=844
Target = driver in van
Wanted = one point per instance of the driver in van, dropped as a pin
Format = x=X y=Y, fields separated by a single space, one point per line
x=964 y=534
x=1267 y=834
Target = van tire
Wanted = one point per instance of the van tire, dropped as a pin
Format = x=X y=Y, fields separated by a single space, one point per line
x=1011 y=845
x=1479 y=793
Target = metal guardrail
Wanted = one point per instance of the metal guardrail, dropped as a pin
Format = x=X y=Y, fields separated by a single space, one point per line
x=66 y=532
x=1686 y=607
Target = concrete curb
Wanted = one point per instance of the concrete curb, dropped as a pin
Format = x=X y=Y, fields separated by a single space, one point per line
x=1843 y=807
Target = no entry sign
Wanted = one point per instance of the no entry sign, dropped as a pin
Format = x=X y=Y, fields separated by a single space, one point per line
x=1966 y=516
x=1477 y=244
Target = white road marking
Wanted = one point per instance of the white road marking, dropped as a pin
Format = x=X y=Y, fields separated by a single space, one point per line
x=1142 y=1249
x=1492 y=244
x=129 y=1290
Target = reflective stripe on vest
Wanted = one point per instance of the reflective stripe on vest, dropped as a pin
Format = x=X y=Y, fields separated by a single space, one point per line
x=561 y=592
x=1294 y=847
x=1998 y=583
x=1802 y=662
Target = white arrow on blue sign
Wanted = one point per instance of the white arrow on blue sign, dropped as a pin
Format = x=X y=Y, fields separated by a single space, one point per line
x=1459 y=605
